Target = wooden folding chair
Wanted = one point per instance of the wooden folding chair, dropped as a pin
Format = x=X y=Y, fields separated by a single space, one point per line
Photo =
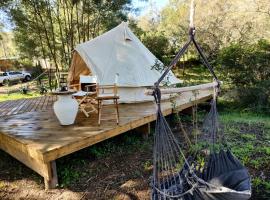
x=86 y=94
x=105 y=93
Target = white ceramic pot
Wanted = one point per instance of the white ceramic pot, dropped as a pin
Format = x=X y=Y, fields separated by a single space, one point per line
x=66 y=109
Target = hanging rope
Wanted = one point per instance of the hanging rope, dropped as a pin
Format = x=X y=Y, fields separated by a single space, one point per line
x=185 y=47
x=195 y=117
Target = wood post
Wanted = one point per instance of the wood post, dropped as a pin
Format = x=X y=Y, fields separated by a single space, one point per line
x=187 y=111
x=144 y=130
x=30 y=159
x=52 y=182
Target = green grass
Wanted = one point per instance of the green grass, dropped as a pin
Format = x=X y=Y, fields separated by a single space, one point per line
x=245 y=117
x=193 y=75
x=15 y=96
x=248 y=136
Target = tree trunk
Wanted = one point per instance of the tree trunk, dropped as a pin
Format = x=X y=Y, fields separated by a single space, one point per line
x=66 y=28
x=78 y=23
x=46 y=35
x=63 y=50
x=53 y=37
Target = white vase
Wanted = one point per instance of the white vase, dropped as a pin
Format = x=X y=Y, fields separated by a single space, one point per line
x=66 y=109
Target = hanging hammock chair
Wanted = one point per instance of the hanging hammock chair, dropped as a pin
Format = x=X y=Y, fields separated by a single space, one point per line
x=176 y=176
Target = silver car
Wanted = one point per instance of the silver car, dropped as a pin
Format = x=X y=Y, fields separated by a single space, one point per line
x=6 y=77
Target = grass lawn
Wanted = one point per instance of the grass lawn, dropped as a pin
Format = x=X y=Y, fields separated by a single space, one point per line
x=248 y=136
x=13 y=91
x=15 y=96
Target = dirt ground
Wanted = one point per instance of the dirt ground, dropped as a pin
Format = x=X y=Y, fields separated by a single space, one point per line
x=114 y=178
x=122 y=176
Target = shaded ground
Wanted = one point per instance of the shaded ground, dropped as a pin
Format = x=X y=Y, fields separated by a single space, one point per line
x=116 y=169
x=120 y=168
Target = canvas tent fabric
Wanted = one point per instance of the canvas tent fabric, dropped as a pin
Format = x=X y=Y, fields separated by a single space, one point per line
x=118 y=51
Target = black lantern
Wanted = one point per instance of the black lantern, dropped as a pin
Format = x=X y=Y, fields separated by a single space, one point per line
x=63 y=84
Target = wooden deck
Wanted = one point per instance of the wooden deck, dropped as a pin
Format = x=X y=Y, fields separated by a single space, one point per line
x=36 y=139
x=26 y=105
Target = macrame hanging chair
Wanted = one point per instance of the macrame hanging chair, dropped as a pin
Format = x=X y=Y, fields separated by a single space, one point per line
x=176 y=176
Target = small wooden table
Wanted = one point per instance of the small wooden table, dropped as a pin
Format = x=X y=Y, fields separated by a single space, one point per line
x=68 y=92
x=65 y=108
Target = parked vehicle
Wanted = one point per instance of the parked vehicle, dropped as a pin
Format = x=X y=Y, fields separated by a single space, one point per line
x=6 y=77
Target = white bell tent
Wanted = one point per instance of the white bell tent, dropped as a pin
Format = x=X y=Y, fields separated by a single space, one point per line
x=120 y=52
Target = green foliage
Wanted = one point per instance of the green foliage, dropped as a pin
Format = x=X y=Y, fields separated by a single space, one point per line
x=248 y=136
x=245 y=65
x=123 y=144
x=148 y=165
x=37 y=70
x=24 y=89
x=51 y=29
x=68 y=175
x=157 y=43
x=260 y=184
x=68 y=172
x=14 y=96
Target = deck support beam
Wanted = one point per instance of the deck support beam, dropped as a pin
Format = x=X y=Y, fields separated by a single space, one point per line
x=52 y=181
x=21 y=153
x=144 y=130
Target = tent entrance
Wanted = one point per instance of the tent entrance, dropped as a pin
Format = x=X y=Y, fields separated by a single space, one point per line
x=78 y=67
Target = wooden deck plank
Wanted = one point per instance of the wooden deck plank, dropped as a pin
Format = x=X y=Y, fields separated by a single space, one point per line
x=36 y=104
x=26 y=105
x=30 y=105
x=44 y=99
x=46 y=103
x=8 y=107
x=17 y=107
x=3 y=104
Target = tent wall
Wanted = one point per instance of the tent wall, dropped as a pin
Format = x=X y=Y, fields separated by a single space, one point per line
x=133 y=95
x=136 y=95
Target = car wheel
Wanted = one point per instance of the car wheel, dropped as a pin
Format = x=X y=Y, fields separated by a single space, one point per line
x=27 y=78
x=6 y=82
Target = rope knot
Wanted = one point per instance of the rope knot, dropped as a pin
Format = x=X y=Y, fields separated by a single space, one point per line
x=157 y=94
x=191 y=32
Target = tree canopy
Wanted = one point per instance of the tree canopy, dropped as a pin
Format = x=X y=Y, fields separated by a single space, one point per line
x=218 y=22
x=52 y=28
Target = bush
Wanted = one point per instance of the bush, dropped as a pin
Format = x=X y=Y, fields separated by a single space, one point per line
x=247 y=68
x=256 y=98
x=36 y=71
x=157 y=43
x=245 y=64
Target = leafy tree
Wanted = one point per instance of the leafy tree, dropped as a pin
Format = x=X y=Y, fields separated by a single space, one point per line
x=51 y=29
x=248 y=68
x=157 y=43
x=245 y=65
x=218 y=23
